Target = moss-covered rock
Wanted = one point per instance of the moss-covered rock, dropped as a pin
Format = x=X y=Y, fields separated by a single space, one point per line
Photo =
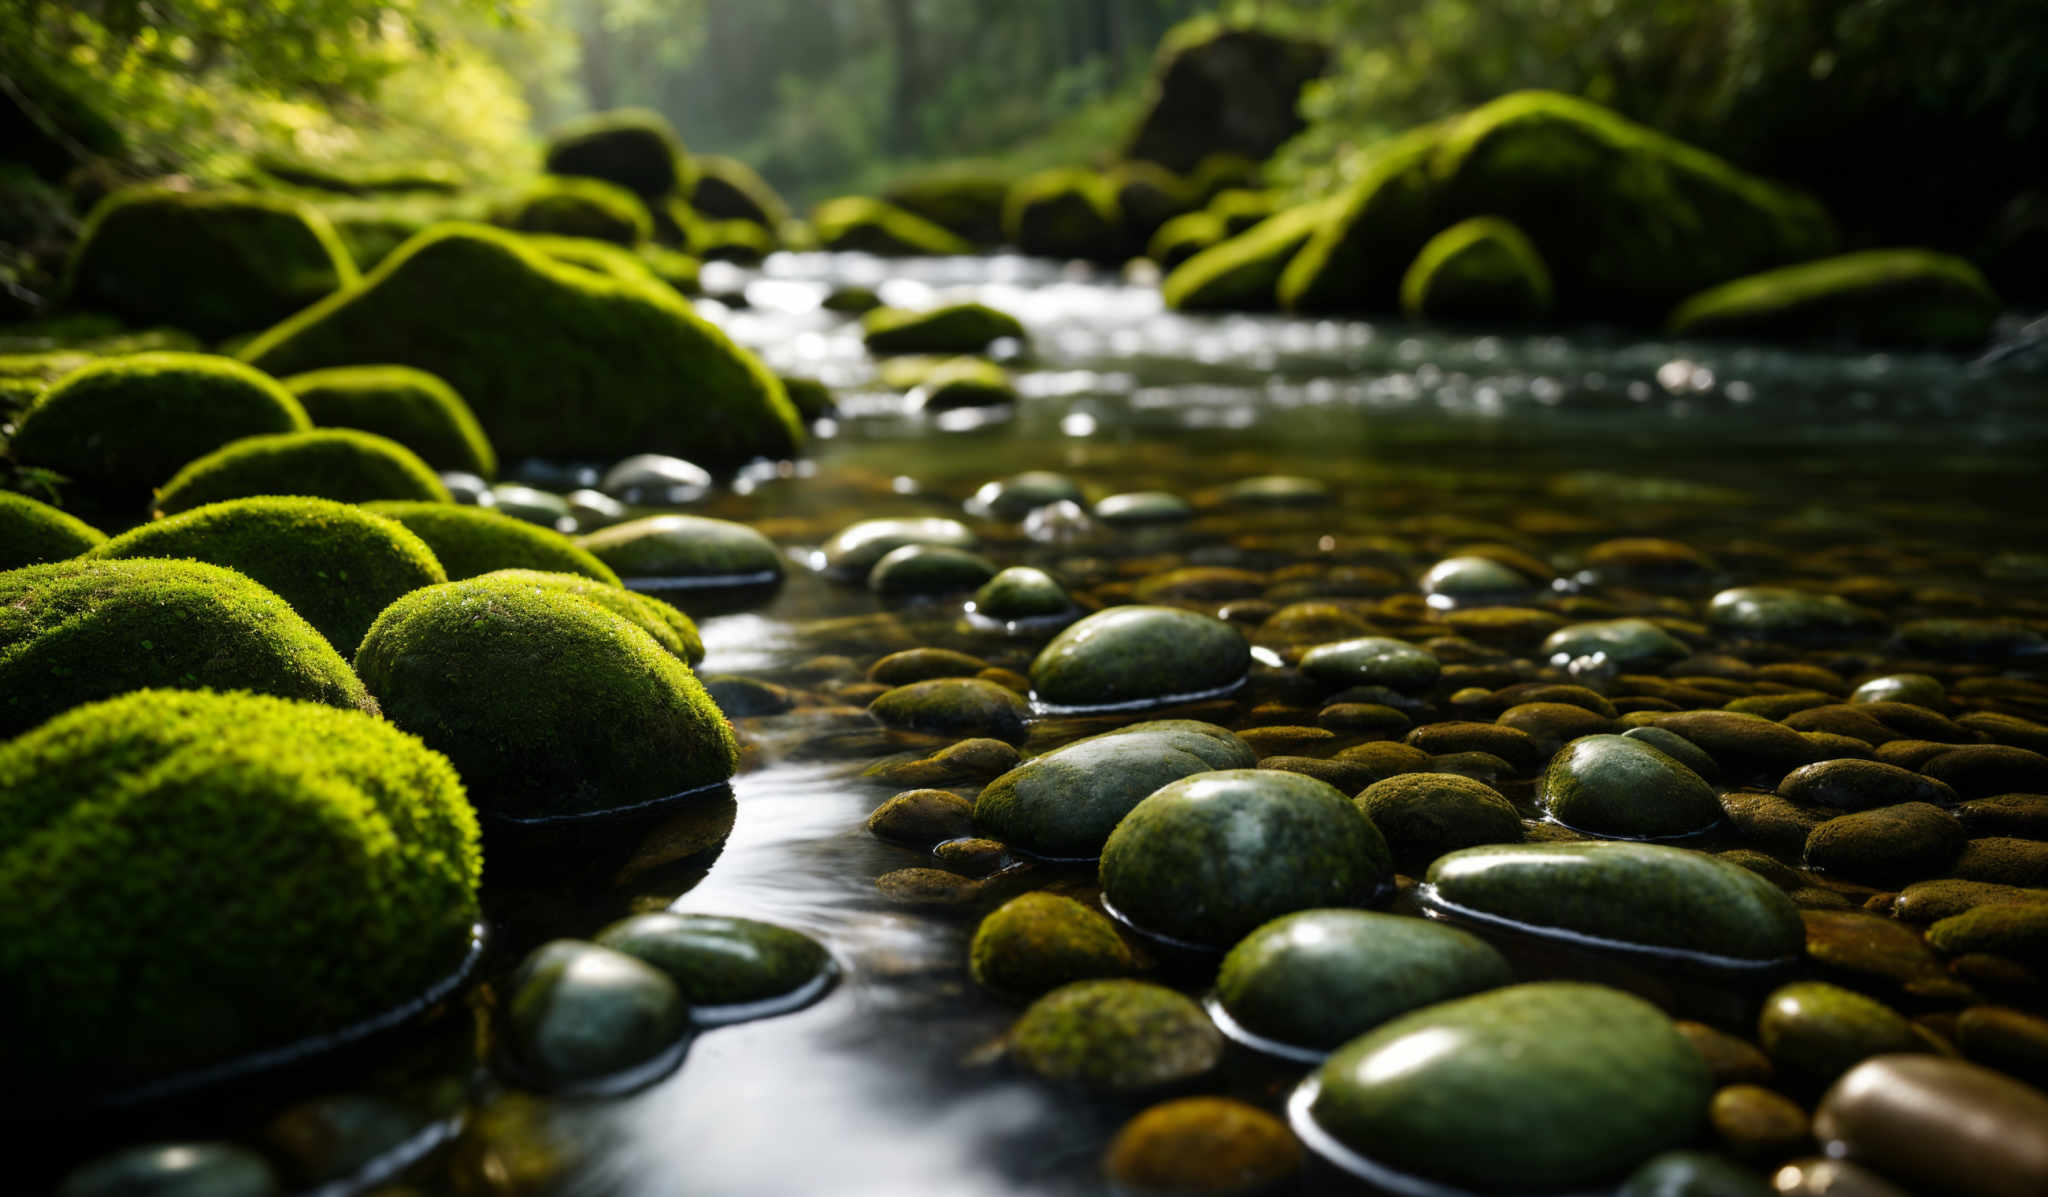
x=1477 y=270
x=1208 y=1145
x=469 y=541
x=573 y=207
x=635 y=266
x=33 y=533
x=1879 y=297
x=356 y=178
x=856 y=224
x=1115 y=1036
x=1149 y=195
x=729 y=189
x=1242 y=273
x=555 y=360
x=681 y=552
x=964 y=382
x=335 y=563
x=740 y=241
x=1068 y=212
x=1183 y=237
x=1222 y=88
x=1891 y=845
x=1815 y=1032
x=332 y=463
x=126 y=424
x=632 y=147
x=1131 y=656
x=304 y=869
x=409 y=406
x=954 y=706
x=673 y=630
x=965 y=200
x=961 y=328
x=549 y=704
x=213 y=263
x=1357 y=260
x=1040 y=941
x=1424 y=815
x=73 y=632
x=1617 y=786
x=922 y=571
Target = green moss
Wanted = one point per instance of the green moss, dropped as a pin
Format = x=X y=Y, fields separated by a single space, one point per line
x=964 y=382
x=548 y=704
x=188 y=877
x=1149 y=195
x=409 y=406
x=213 y=263
x=74 y=632
x=128 y=423
x=1243 y=272
x=1478 y=269
x=601 y=257
x=470 y=541
x=33 y=533
x=573 y=207
x=671 y=629
x=556 y=361
x=812 y=399
x=965 y=199
x=327 y=463
x=632 y=147
x=358 y=179
x=1066 y=213
x=740 y=241
x=953 y=329
x=1242 y=208
x=1881 y=296
x=1115 y=1036
x=336 y=564
x=1041 y=941
x=1357 y=259
x=729 y=189
x=1183 y=237
x=856 y=224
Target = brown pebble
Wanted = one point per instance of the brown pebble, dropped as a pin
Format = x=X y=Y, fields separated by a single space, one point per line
x=1831 y=1178
x=1202 y=1145
x=2012 y=1041
x=923 y=664
x=1939 y=1126
x=1759 y=1126
x=923 y=817
x=1291 y=741
x=974 y=857
x=928 y=887
x=1731 y=1059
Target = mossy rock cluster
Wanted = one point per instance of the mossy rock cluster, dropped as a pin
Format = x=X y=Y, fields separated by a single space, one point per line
x=336 y=564
x=549 y=704
x=1068 y=212
x=126 y=424
x=855 y=224
x=73 y=632
x=409 y=406
x=33 y=533
x=965 y=200
x=469 y=541
x=1905 y=297
x=1242 y=272
x=555 y=360
x=1148 y=195
x=573 y=207
x=632 y=148
x=729 y=189
x=329 y=463
x=213 y=263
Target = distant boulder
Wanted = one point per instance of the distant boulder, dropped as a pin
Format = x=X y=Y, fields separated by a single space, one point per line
x=1217 y=88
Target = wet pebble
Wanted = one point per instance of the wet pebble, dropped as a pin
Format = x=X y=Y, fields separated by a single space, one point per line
x=1037 y=942
x=578 y=1013
x=1814 y=1032
x=1614 y=786
x=921 y=571
x=656 y=480
x=1891 y=845
x=1017 y=496
x=1939 y=1126
x=1116 y=1036
x=1759 y=1125
x=1693 y=1174
x=718 y=961
x=1629 y=645
x=684 y=552
x=173 y=1170
x=1021 y=593
x=922 y=817
x=1424 y=815
x=1138 y=655
x=1855 y=785
x=854 y=549
x=954 y=707
x=1141 y=508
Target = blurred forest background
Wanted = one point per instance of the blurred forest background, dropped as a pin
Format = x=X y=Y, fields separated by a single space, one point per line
x=1929 y=117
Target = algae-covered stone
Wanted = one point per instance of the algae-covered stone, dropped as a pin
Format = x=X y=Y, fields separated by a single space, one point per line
x=1139 y=655
x=1202 y=1145
x=335 y=563
x=1469 y=578
x=854 y=549
x=1617 y=786
x=1040 y=941
x=1784 y=614
x=1021 y=593
x=328 y=463
x=922 y=817
x=1637 y=897
x=129 y=423
x=1206 y=859
x=1143 y=508
x=1115 y=1036
x=568 y=364
x=1067 y=212
x=923 y=570
x=575 y=207
x=632 y=147
x=1317 y=978
x=1545 y=1086
x=1424 y=815
x=1743 y=746
x=549 y=704
x=963 y=382
x=1815 y=1032
x=685 y=551
x=1358 y=259
x=469 y=541
x=954 y=706
x=1018 y=495
x=212 y=263
x=33 y=533
x=1880 y=297
x=1891 y=845
x=75 y=631
x=954 y=328
x=1860 y=785
x=1242 y=272
x=410 y=406
x=673 y=630
x=1916 y=688
x=2018 y=929
x=963 y=198
x=1065 y=803
x=720 y=961
x=1372 y=661
x=1633 y=645
x=1181 y=238
x=123 y=967
x=578 y=1013
x=856 y=224
x=1477 y=270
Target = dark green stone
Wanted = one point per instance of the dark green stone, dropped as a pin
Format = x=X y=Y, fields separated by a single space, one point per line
x=1372 y=661
x=1137 y=655
x=923 y=569
x=1616 y=786
x=1424 y=815
x=1633 y=645
x=578 y=1013
x=954 y=706
x=719 y=961
x=1814 y=1032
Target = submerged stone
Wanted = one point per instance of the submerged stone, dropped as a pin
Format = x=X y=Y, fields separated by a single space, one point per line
x=717 y=961
x=578 y=1013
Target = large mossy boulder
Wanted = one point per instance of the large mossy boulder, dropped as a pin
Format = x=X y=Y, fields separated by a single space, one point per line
x=965 y=200
x=573 y=207
x=1069 y=212
x=328 y=463
x=126 y=424
x=856 y=224
x=549 y=704
x=190 y=877
x=1482 y=269
x=673 y=630
x=33 y=533
x=212 y=263
x=470 y=541
x=1183 y=237
x=556 y=361
x=74 y=632
x=409 y=406
x=1243 y=273
x=335 y=563
x=729 y=189
x=1904 y=297
x=1223 y=89
x=631 y=147
x=1357 y=260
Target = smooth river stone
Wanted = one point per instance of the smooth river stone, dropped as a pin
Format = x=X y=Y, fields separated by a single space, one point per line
x=719 y=961
x=1854 y=785
x=684 y=551
x=1134 y=656
x=1636 y=897
x=954 y=706
x=1063 y=805
x=1532 y=1087
x=1814 y=1032
x=1781 y=613
x=580 y=1014
x=1372 y=661
x=1309 y=981
x=854 y=549
x=1617 y=786
x=1632 y=645
x=1939 y=1126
